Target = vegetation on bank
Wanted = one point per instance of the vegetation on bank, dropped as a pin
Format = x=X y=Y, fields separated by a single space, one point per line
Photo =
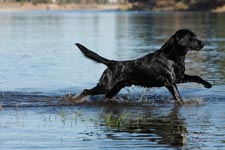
x=158 y=5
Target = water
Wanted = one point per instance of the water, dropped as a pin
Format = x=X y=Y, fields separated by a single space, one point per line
x=39 y=64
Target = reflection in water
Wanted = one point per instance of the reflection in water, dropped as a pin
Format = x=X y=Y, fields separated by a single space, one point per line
x=164 y=129
x=142 y=127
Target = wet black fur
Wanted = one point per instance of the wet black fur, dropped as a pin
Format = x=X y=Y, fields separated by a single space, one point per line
x=164 y=67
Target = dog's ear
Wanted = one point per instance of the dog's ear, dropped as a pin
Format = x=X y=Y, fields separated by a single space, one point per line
x=178 y=37
x=181 y=37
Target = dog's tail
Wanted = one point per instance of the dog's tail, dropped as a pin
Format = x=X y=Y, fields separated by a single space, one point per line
x=88 y=53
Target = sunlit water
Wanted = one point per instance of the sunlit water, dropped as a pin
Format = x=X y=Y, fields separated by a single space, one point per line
x=39 y=64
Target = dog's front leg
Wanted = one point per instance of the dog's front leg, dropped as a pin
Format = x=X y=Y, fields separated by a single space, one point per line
x=174 y=91
x=197 y=79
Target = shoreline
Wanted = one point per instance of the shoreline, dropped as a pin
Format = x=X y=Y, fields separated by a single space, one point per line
x=29 y=6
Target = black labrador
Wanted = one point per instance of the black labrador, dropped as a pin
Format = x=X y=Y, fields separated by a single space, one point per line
x=164 y=67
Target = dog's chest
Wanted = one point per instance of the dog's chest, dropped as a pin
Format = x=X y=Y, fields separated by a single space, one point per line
x=179 y=68
x=175 y=68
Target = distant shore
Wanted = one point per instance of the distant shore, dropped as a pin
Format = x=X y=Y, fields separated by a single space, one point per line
x=28 y=6
x=49 y=6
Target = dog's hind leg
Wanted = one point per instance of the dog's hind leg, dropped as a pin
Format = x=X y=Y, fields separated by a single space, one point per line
x=115 y=90
x=94 y=91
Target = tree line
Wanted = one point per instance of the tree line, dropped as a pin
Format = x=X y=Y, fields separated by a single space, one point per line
x=191 y=4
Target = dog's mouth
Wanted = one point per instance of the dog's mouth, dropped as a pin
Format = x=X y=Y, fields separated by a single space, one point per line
x=198 y=45
x=197 y=48
x=193 y=48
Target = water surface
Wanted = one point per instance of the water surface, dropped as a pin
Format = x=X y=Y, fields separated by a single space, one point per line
x=39 y=64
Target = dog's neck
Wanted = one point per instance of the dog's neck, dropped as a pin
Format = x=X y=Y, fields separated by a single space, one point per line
x=174 y=51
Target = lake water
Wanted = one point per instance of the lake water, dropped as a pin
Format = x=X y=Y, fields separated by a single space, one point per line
x=39 y=64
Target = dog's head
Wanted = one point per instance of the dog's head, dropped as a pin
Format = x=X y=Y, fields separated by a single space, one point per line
x=188 y=40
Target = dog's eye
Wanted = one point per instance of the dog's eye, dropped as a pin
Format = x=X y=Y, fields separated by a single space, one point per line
x=192 y=39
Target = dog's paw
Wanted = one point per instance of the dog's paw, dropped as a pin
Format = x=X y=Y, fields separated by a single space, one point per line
x=207 y=85
x=72 y=98
x=179 y=102
x=66 y=96
x=77 y=99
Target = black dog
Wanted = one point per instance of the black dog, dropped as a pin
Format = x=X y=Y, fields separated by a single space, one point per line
x=164 y=67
